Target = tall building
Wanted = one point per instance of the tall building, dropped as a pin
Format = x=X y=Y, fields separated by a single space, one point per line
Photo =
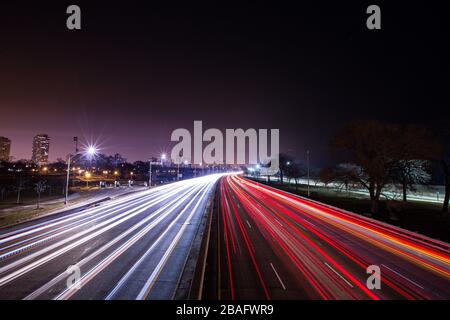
x=41 y=147
x=5 y=148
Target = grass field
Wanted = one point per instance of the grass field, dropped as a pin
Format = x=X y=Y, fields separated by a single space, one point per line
x=422 y=217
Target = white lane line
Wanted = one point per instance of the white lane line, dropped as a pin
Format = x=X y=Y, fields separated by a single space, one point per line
x=339 y=275
x=400 y=275
x=248 y=223
x=52 y=234
x=278 y=276
x=118 y=220
x=63 y=275
x=69 y=292
x=138 y=263
x=114 y=204
x=145 y=291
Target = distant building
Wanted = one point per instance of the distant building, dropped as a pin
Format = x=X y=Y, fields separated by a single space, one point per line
x=41 y=147
x=5 y=149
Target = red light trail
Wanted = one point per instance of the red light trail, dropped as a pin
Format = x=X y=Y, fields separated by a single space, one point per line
x=281 y=246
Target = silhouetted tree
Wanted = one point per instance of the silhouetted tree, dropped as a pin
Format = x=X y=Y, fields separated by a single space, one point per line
x=19 y=187
x=40 y=187
x=383 y=153
x=373 y=148
x=412 y=172
x=284 y=161
x=442 y=133
x=416 y=146
x=295 y=171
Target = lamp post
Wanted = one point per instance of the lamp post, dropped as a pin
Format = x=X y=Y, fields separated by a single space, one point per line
x=87 y=175
x=91 y=151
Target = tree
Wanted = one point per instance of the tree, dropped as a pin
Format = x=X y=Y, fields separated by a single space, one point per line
x=295 y=171
x=40 y=187
x=326 y=175
x=19 y=187
x=374 y=150
x=411 y=172
x=442 y=134
x=417 y=147
x=284 y=161
x=383 y=152
x=342 y=174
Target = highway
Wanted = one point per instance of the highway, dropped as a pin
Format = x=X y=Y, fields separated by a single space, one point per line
x=270 y=244
x=134 y=247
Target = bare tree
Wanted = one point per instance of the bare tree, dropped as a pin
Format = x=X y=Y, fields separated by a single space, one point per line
x=40 y=187
x=443 y=139
x=412 y=172
x=295 y=171
x=374 y=150
x=345 y=174
x=381 y=151
x=417 y=146
x=19 y=187
x=284 y=162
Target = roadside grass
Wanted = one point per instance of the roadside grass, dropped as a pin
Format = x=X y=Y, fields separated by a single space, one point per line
x=422 y=217
x=26 y=214
x=10 y=217
x=27 y=198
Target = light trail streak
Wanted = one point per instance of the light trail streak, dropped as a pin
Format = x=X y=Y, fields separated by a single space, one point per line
x=325 y=250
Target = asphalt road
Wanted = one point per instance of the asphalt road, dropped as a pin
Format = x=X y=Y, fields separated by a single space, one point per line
x=269 y=244
x=134 y=247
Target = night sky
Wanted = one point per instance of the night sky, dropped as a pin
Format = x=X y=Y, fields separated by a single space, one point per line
x=137 y=71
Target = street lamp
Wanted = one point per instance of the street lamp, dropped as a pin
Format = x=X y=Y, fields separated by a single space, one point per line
x=88 y=176
x=90 y=151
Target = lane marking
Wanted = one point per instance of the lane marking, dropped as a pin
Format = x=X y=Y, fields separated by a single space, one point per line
x=339 y=275
x=414 y=283
x=145 y=291
x=278 y=276
x=248 y=223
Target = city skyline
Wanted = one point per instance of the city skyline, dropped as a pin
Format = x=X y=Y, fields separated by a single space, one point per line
x=298 y=73
x=224 y=156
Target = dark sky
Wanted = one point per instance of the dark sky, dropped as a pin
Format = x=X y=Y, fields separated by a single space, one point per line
x=137 y=71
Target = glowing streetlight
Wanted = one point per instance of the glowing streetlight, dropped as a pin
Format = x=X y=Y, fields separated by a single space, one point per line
x=163 y=157
x=90 y=151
